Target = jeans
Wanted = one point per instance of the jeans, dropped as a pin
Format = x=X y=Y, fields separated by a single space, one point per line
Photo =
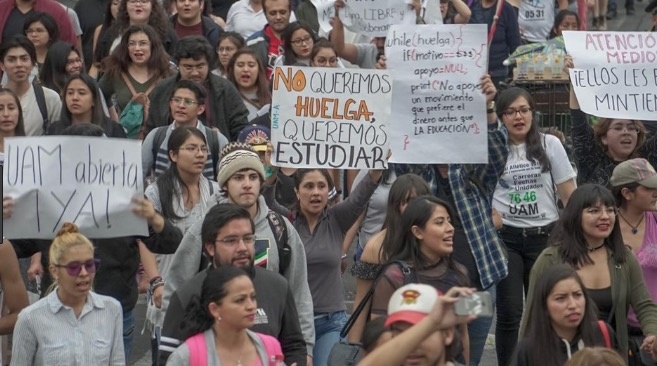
x=128 y=333
x=478 y=332
x=327 y=334
x=523 y=251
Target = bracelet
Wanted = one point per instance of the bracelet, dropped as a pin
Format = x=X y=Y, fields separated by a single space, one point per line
x=155 y=279
x=344 y=256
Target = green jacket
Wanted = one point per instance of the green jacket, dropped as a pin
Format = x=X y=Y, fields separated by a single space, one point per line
x=627 y=288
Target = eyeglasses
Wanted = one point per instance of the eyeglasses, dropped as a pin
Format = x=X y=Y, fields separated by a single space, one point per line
x=524 y=111
x=631 y=128
x=73 y=61
x=38 y=30
x=226 y=49
x=232 y=241
x=74 y=268
x=598 y=211
x=133 y=2
x=327 y=61
x=141 y=44
x=300 y=41
x=195 y=149
x=186 y=101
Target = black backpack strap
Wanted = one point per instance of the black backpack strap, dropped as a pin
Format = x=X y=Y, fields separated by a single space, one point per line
x=279 y=228
x=213 y=141
x=41 y=102
x=158 y=139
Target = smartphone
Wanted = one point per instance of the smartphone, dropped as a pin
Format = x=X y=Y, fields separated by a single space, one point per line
x=479 y=304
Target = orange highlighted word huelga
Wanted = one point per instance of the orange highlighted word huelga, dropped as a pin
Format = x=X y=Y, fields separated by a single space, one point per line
x=332 y=108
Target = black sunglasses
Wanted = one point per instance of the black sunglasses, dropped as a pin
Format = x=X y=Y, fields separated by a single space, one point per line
x=74 y=268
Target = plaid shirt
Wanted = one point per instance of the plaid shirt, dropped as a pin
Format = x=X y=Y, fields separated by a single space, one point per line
x=472 y=188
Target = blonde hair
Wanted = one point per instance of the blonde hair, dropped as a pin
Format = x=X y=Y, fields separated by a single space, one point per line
x=596 y=356
x=68 y=237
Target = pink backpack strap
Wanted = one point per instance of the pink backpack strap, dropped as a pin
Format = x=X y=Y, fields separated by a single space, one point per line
x=198 y=350
x=605 y=333
x=272 y=346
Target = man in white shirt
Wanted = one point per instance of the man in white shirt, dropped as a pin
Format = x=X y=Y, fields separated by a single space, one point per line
x=247 y=17
x=17 y=58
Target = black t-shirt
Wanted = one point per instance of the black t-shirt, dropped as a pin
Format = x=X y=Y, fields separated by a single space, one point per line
x=91 y=14
x=14 y=23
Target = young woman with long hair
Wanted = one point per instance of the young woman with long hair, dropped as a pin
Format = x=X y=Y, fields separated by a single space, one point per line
x=228 y=44
x=324 y=54
x=424 y=241
x=218 y=321
x=82 y=104
x=565 y=20
x=136 y=12
x=181 y=195
x=248 y=76
x=135 y=66
x=537 y=172
x=63 y=60
x=42 y=30
x=379 y=246
x=561 y=321
x=298 y=42
x=11 y=118
x=634 y=186
x=111 y=12
x=588 y=238
x=599 y=149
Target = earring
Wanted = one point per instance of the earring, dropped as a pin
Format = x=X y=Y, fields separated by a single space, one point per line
x=219 y=318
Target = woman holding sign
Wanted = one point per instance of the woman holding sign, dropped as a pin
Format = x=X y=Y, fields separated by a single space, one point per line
x=598 y=150
x=248 y=76
x=537 y=170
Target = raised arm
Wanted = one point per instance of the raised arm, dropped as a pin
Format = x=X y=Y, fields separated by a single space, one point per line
x=347 y=51
x=13 y=287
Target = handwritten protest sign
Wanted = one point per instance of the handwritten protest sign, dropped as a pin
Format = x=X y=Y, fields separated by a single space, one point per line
x=438 y=109
x=374 y=17
x=85 y=180
x=325 y=11
x=615 y=73
x=331 y=118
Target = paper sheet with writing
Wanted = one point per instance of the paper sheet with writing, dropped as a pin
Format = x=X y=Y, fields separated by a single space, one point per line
x=438 y=110
x=325 y=11
x=330 y=118
x=86 y=180
x=615 y=73
x=375 y=17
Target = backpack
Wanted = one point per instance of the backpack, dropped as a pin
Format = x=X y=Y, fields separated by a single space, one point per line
x=279 y=228
x=41 y=102
x=198 y=349
x=213 y=141
x=136 y=111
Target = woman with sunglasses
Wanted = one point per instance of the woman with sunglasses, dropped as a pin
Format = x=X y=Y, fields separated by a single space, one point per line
x=599 y=149
x=72 y=322
x=537 y=172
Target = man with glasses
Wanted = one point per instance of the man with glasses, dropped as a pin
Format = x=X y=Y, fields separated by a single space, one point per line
x=241 y=175
x=192 y=20
x=224 y=109
x=186 y=104
x=227 y=233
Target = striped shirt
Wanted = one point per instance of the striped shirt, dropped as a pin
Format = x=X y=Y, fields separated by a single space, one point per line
x=48 y=333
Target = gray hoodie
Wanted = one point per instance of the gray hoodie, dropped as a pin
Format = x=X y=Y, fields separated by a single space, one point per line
x=186 y=262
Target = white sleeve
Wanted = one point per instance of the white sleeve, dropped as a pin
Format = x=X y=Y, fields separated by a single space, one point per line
x=562 y=170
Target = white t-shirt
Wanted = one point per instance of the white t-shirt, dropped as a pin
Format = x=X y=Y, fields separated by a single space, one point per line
x=535 y=19
x=524 y=195
x=241 y=18
x=32 y=114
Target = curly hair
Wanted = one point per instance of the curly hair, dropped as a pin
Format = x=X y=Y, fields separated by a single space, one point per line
x=158 y=20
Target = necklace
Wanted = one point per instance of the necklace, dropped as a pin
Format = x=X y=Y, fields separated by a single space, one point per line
x=634 y=227
x=596 y=248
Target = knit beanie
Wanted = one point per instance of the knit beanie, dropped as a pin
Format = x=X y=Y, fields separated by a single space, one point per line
x=238 y=156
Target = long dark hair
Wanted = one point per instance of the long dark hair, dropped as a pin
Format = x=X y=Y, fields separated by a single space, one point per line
x=290 y=58
x=568 y=235
x=20 y=125
x=97 y=114
x=158 y=20
x=400 y=192
x=406 y=247
x=533 y=141
x=545 y=343
x=301 y=173
x=119 y=60
x=166 y=182
x=53 y=73
x=236 y=39
x=197 y=318
x=48 y=22
x=263 y=93
x=561 y=15
x=99 y=53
